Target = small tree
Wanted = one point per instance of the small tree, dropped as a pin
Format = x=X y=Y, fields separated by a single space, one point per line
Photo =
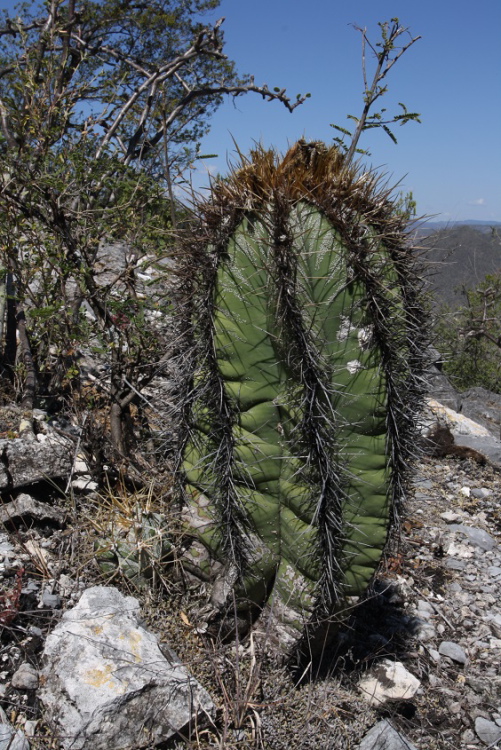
x=387 y=52
x=469 y=338
x=100 y=104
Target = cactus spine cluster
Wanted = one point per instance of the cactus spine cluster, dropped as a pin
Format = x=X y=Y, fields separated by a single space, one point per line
x=306 y=349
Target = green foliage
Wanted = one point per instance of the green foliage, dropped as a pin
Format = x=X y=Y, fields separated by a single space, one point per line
x=102 y=104
x=406 y=206
x=469 y=338
x=307 y=340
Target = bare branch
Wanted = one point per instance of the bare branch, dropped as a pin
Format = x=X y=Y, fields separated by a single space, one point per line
x=235 y=90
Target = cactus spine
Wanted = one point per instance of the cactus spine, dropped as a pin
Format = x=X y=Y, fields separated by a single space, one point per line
x=306 y=348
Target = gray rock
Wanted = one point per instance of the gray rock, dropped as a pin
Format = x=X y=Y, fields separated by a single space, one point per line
x=434 y=655
x=384 y=737
x=481 y=492
x=483 y=407
x=450 y=517
x=31 y=587
x=107 y=683
x=487 y=731
x=455 y=564
x=495 y=625
x=425 y=609
x=453 y=651
x=50 y=600
x=424 y=630
x=25 y=505
x=25 y=462
x=476 y=537
x=490 y=447
x=25 y=677
x=10 y=739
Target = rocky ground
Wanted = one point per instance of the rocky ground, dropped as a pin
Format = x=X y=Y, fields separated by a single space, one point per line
x=451 y=577
x=435 y=612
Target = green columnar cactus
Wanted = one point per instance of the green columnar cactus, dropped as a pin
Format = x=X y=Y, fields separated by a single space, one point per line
x=306 y=339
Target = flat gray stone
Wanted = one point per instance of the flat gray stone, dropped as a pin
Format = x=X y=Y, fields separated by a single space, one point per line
x=454 y=564
x=490 y=447
x=107 y=684
x=25 y=505
x=487 y=731
x=454 y=651
x=481 y=492
x=384 y=737
x=24 y=462
x=476 y=537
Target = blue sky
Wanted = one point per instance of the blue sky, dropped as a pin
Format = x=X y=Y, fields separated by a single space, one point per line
x=452 y=76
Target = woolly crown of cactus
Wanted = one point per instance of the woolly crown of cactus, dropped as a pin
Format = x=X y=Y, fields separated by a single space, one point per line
x=304 y=349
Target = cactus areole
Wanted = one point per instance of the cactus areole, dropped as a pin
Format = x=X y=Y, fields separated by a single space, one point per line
x=306 y=350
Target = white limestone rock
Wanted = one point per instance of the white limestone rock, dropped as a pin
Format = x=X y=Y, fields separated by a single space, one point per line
x=106 y=683
x=389 y=681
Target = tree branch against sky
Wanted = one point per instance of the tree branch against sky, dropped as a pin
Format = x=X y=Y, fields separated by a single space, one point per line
x=102 y=68
x=386 y=53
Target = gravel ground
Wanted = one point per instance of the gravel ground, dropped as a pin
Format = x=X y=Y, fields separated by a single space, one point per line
x=435 y=608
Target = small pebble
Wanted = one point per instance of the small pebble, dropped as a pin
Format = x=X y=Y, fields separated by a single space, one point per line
x=454 y=564
x=481 y=492
x=454 y=651
x=25 y=678
x=450 y=517
x=51 y=601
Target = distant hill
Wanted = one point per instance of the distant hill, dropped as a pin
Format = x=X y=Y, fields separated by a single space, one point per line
x=460 y=256
x=430 y=227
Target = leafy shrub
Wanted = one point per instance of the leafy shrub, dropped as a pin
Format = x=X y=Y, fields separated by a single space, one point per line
x=469 y=338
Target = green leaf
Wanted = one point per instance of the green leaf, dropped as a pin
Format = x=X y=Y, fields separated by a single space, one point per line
x=389 y=133
x=341 y=130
